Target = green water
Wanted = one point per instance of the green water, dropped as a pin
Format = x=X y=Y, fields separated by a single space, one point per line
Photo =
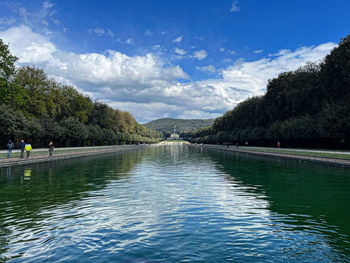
x=175 y=204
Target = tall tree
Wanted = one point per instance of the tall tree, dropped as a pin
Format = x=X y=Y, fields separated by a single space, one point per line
x=7 y=62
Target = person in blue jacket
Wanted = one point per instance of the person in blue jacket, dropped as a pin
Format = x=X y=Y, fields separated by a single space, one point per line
x=9 y=146
x=21 y=147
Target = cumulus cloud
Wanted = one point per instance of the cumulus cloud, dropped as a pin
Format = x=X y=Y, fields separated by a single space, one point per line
x=149 y=88
x=180 y=52
x=253 y=75
x=234 y=7
x=178 y=39
x=113 y=67
x=33 y=48
x=146 y=111
x=258 y=51
x=200 y=54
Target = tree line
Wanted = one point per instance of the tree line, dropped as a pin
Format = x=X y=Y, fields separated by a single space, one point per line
x=38 y=109
x=307 y=107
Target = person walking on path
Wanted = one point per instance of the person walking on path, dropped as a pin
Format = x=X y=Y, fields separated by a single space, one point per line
x=50 y=148
x=21 y=147
x=278 y=144
x=28 y=148
x=9 y=146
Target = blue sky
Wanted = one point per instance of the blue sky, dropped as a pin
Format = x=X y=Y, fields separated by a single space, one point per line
x=182 y=59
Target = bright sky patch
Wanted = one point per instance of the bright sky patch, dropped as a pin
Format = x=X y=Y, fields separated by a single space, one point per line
x=182 y=59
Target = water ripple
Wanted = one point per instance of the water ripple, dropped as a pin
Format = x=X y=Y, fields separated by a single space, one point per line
x=172 y=204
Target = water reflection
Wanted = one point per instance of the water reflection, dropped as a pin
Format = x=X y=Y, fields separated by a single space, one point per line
x=172 y=203
x=303 y=197
x=27 y=173
x=8 y=171
x=32 y=194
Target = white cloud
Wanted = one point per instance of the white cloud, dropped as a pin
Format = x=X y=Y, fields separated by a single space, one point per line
x=40 y=17
x=110 y=33
x=234 y=7
x=149 y=88
x=209 y=68
x=159 y=48
x=55 y=21
x=33 y=48
x=146 y=111
x=178 y=39
x=47 y=5
x=114 y=67
x=200 y=54
x=227 y=60
x=128 y=41
x=258 y=51
x=180 y=52
x=7 y=20
x=148 y=32
x=222 y=49
x=197 y=114
x=101 y=31
x=253 y=75
x=98 y=31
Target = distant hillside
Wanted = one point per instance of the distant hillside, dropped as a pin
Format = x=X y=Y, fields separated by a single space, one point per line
x=166 y=125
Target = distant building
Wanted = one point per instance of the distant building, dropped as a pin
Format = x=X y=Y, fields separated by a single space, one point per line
x=174 y=135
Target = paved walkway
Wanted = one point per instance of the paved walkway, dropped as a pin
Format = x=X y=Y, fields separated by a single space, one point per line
x=5 y=162
x=87 y=148
x=328 y=160
x=298 y=150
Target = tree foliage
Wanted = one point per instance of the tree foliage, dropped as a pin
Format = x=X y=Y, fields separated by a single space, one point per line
x=308 y=107
x=38 y=109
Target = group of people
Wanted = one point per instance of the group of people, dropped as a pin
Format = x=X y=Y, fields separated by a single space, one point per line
x=25 y=146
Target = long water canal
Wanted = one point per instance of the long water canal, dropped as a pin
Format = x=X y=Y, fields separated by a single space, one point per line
x=175 y=204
